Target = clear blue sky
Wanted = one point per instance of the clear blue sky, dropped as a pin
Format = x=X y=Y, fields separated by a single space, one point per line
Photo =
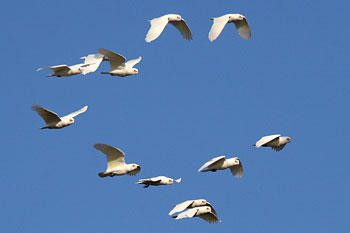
x=192 y=100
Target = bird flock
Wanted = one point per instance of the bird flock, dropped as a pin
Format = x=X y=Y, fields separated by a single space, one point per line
x=116 y=165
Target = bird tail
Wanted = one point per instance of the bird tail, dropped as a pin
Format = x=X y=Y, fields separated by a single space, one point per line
x=206 y=170
x=45 y=127
x=102 y=174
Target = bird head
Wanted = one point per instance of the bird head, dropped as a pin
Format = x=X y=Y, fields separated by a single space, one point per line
x=178 y=180
x=135 y=71
x=71 y=120
x=288 y=139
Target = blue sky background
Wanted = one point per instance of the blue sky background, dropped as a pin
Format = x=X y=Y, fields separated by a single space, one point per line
x=192 y=100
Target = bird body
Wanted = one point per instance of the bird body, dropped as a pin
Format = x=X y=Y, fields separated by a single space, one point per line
x=159 y=180
x=220 y=163
x=191 y=204
x=239 y=20
x=64 y=70
x=119 y=66
x=204 y=212
x=158 y=25
x=275 y=141
x=53 y=121
x=116 y=165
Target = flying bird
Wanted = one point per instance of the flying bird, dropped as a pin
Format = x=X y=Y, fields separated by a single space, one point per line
x=53 y=121
x=220 y=163
x=191 y=204
x=64 y=70
x=116 y=165
x=275 y=141
x=118 y=65
x=240 y=22
x=204 y=212
x=159 y=180
x=158 y=25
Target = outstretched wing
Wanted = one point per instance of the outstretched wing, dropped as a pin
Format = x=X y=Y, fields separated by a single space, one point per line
x=212 y=161
x=115 y=157
x=209 y=217
x=180 y=207
x=237 y=170
x=183 y=28
x=56 y=68
x=157 y=27
x=217 y=27
x=133 y=62
x=91 y=63
x=266 y=139
x=76 y=113
x=116 y=60
x=243 y=28
x=187 y=214
x=48 y=116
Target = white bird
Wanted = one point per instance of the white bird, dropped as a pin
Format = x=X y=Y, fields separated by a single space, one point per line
x=191 y=204
x=92 y=62
x=240 y=22
x=275 y=141
x=53 y=121
x=158 y=25
x=64 y=70
x=116 y=165
x=204 y=212
x=159 y=180
x=220 y=163
x=118 y=65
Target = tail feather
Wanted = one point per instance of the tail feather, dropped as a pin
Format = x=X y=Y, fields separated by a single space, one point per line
x=102 y=174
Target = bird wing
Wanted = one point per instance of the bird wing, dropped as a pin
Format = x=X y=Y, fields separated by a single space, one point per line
x=180 y=207
x=157 y=26
x=212 y=208
x=115 y=157
x=56 y=68
x=133 y=62
x=212 y=161
x=48 y=116
x=217 y=27
x=278 y=148
x=209 y=217
x=237 y=170
x=243 y=28
x=266 y=139
x=183 y=28
x=116 y=60
x=150 y=180
x=135 y=171
x=76 y=113
x=187 y=214
x=92 y=62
